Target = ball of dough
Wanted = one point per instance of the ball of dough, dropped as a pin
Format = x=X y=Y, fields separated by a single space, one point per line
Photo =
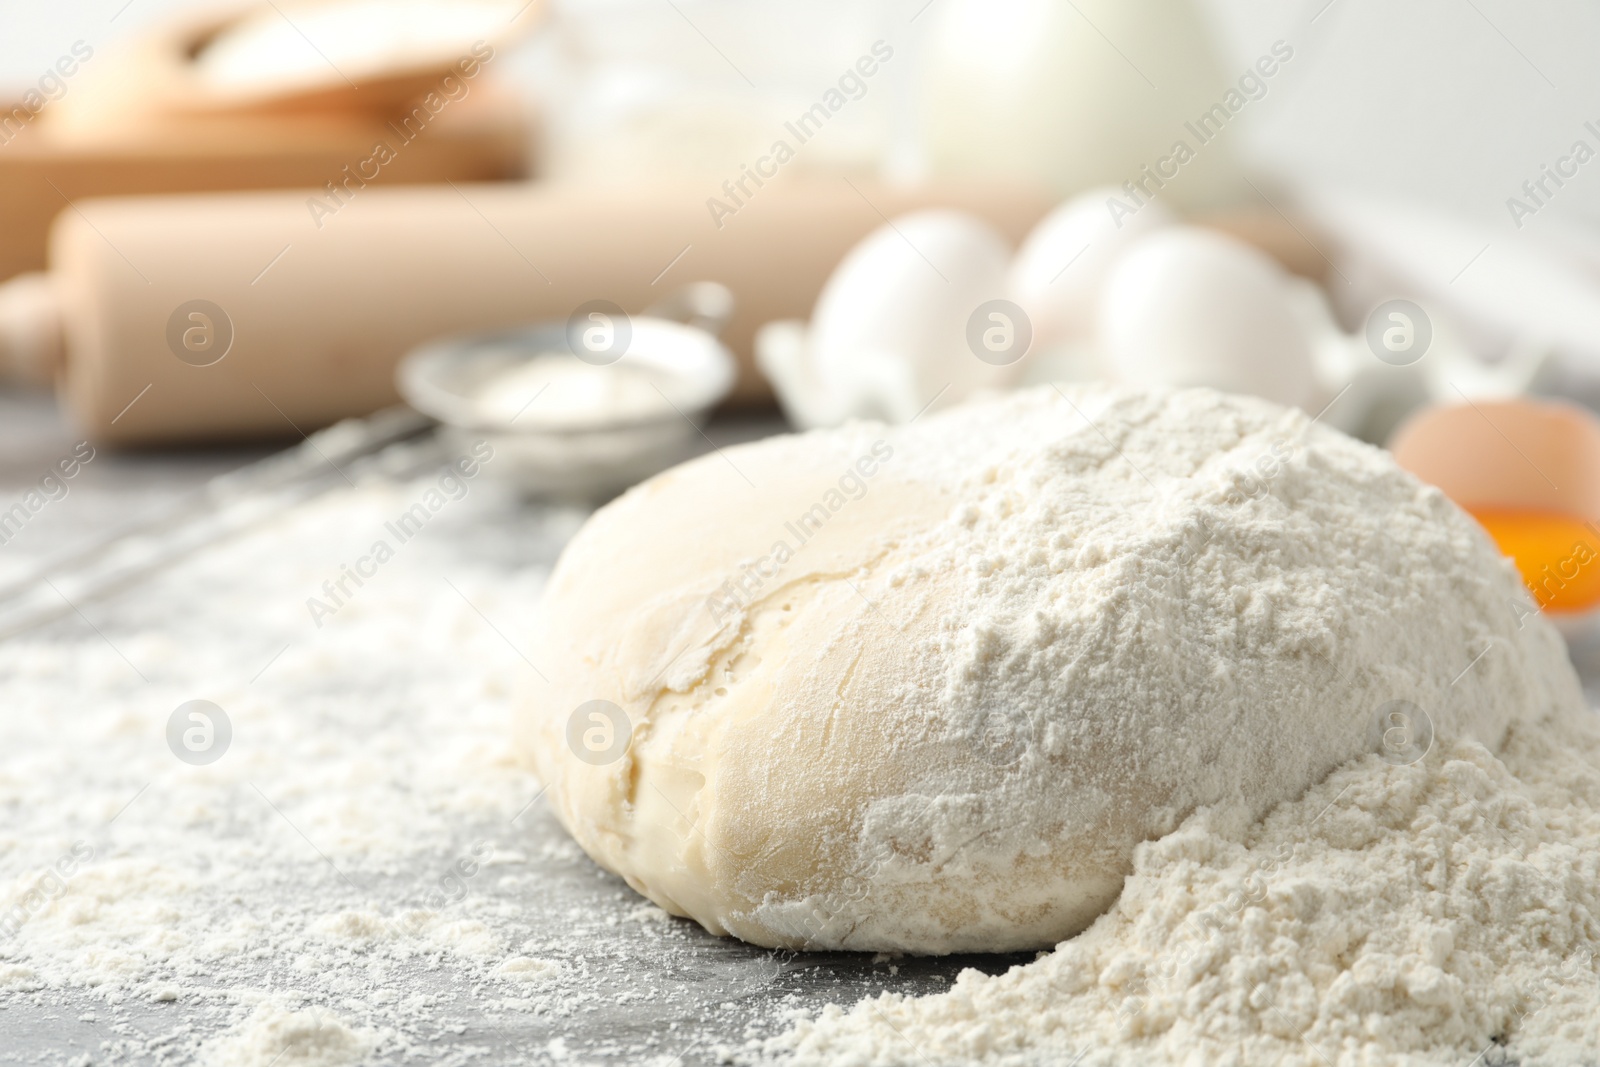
x=927 y=688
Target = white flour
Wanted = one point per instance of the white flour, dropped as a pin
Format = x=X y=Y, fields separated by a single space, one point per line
x=1394 y=915
x=577 y=395
x=272 y=1035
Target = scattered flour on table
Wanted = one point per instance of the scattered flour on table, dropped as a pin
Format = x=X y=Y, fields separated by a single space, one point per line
x=342 y=885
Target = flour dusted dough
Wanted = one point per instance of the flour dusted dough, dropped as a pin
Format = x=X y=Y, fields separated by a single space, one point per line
x=1046 y=628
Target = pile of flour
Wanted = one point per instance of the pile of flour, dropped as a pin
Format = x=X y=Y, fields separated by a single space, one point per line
x=1423 y=914
x=1435 y=900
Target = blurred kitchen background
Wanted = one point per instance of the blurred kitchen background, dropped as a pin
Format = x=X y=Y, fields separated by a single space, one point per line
x=1451 y=103
x=610 y=234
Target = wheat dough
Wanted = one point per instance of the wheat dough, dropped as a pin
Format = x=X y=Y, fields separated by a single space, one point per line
x=1018 y=639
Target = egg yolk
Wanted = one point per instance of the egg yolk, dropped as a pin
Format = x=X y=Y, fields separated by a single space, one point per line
x=1558 y=554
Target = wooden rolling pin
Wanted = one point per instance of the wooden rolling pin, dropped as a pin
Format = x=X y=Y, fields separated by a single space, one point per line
x=240 y=315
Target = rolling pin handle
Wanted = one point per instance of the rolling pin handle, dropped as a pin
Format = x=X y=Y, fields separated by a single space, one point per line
x=32 y=342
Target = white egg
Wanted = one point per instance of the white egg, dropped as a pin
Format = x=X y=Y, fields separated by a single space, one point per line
x=893 y=317
x=1063 y=264
x=1189 y=306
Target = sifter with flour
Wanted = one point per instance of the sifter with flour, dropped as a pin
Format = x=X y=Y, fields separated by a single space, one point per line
x=586 y=407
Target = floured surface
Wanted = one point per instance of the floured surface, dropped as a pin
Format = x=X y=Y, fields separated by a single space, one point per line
x=206 y=929
x=215 y=923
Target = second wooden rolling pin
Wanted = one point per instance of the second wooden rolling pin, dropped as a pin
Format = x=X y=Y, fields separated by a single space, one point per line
x=261 y=314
